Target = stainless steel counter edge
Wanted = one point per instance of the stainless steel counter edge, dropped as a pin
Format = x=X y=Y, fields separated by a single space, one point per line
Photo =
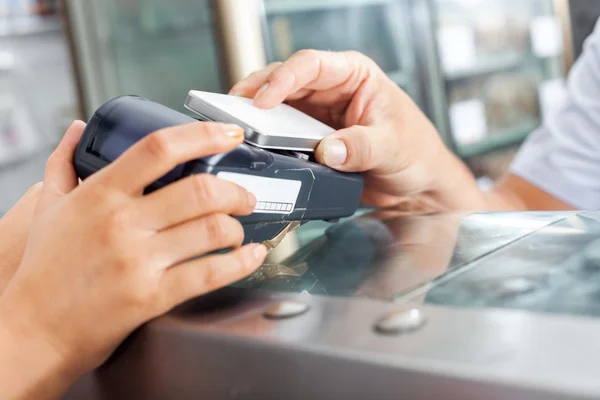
x=222 y=346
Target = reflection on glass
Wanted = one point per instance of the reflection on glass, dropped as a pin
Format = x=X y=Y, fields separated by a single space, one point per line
x=557 y=270
x=385 y=255
x=540 y=262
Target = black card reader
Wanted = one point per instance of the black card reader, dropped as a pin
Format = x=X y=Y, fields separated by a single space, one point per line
x=288 y=188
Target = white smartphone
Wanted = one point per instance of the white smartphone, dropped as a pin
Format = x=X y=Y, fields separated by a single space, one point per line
x=279 y=128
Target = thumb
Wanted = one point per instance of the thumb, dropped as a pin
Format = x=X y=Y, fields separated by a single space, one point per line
x=60 y=177
x=354 y=149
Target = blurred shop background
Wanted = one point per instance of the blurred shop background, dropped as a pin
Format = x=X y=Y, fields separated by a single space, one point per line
x=485 y=71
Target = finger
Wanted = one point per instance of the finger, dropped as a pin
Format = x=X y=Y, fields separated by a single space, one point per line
x=300 y=94
x=314 y=70
x=198 y=277
x=60 y=174
x=197 y=237
x=160 y=152
x=249 y=86
x=332 y=114
x=60 y=177
x=190 y=198
x=355 y=149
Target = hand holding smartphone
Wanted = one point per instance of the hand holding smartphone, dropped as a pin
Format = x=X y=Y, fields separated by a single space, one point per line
x=279 y=128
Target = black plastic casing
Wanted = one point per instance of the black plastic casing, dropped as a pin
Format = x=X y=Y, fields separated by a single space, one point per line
x=325 y=194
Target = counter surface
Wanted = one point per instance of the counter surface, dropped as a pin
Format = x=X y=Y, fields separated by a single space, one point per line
x=492 y=305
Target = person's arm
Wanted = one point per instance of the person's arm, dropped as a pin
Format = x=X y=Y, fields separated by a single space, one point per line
x=30 y=368
x=515 y=193
x=102 y=258
x=511 y=193
x=14 y=230
x=384 y=135
x=558 y=166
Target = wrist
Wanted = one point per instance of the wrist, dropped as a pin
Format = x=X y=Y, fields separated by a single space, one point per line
x=455 y=187
x=30 y=367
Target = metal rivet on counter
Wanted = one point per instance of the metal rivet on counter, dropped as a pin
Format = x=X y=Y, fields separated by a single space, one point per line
x=286 y=309
x=401 y=322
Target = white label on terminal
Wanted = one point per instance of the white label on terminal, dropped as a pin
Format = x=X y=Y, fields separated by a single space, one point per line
x=457 y=47
x=273 y=196
x=468 y=122
x=546 y=36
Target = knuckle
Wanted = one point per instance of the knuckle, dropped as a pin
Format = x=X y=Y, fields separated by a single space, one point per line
x=144 y=295
x=128 y=266
x=246 y=264
x=361 y=58
x=214 y=136
x=310 y=57
x=35 y=190
x=251 y=76
x=308 y=53
x=215 y=228
x=242 y=198
x=223 y=230
x=210 y=273
x=237 y=232
x=260 y=73
x=205 y=190
x=361 y=148
x=114 y=225
x=355 y=54
x=284 y=75
x=118 y=218
x=127 y=260
x=52 y=162
x=363 y=64
x=157 y=145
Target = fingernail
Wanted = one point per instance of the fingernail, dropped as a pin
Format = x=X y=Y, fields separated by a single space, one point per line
x=260 y=252
x=233 y=92
x=335 y=153
x=233 y=131
x=261 y=90
x=251 y=199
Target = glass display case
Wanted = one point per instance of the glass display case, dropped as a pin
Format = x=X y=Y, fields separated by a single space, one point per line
x=155 y=49
x=503 y=69
x=538 y=262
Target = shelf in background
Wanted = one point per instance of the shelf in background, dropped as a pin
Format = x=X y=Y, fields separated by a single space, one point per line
x=491 y=64
x=498 y=141
x=287 y=6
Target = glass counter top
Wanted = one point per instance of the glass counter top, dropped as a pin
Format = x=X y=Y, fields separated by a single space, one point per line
x=541 y=262
x=469 y=304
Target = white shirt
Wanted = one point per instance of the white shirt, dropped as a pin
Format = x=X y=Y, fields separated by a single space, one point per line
x=562 y=157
